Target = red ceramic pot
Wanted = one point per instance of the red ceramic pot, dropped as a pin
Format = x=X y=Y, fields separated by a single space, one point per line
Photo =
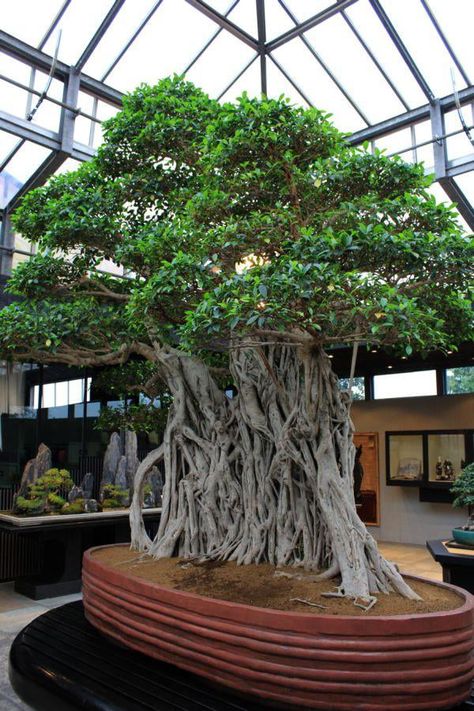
x=298 y=660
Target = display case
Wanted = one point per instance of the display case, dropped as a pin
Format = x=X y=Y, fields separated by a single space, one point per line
x=404 y=458
x=427 y=458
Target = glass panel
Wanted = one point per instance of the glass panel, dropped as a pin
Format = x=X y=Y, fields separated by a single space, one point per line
x=121 y=30
x=47 y=114
x=67 y=166
x=466 y=184
x=244 y=15
x=303 y=9
x=49 y=395
x=412 y=384
x=277 y=21
x=349 y=62
x=424 y=154
x=425 y=46
x=220 y=64
x=249 y=82
x=358 y=387
x=460 y=380
x=12 y=98
x=158 y=43
x=454 y=18
x=436 y=190
x=458 y=146
x=23 y=164
x=58 y=412
x=7 y=143
x=317 y=85
x=376 y=38
x=405 y=457
x=78 y=25
x=397 y=141
x=446 y=455
x=278 y=84
x=29 y=19
x=76 y=391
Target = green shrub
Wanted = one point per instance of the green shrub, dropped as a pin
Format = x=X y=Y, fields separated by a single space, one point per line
x=76 y=507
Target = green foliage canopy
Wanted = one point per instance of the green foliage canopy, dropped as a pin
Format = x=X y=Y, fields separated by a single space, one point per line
x=234 y=220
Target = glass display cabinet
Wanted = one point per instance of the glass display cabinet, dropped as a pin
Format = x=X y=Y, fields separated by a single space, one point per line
x=427 y=458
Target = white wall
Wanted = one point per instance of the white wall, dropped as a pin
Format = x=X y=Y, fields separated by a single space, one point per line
x=403 y=517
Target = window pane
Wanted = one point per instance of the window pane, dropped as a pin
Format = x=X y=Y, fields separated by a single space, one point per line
x=341 y=51
x=61 y=394
x=377 y=39
x=76 y=391
x=460 y=380
x=49 y=399
x=424 y=45
x=358 y=387
x=318 y=86
x=405 y=384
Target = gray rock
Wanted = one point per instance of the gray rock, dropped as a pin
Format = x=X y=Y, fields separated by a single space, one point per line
x=35 y=468
x=87 y=485
x=112 y=457
x=91 y=506
x=131 y=457
x=149 y=501
x=75 y=493
x=121 y=474
x=43 y=460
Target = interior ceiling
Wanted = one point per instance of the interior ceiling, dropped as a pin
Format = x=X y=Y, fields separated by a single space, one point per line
x=395 y=73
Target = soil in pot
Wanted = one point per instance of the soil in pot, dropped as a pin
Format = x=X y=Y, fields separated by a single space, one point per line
x=268 y=587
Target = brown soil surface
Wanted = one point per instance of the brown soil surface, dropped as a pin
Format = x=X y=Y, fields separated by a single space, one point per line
x=257 y=585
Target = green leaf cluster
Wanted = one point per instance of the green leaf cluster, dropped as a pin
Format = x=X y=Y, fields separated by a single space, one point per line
x=232 y=220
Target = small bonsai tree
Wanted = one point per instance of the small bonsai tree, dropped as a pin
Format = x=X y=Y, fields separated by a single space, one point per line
x=463 y=488
x=44 y=494
x=255 y=238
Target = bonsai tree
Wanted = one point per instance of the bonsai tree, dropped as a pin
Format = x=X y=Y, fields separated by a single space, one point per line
x=44 y=494
x=254 y=239
x=463 y=488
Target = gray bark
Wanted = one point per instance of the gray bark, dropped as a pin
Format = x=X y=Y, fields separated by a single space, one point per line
x=266 y=476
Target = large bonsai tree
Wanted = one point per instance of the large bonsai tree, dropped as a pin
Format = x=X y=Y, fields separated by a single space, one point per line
x=254 y=238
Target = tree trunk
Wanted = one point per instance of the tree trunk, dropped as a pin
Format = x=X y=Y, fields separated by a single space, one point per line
x=266 y=476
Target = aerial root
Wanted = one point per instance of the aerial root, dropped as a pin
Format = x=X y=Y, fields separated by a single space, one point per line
x=307 y=602
x=339 y=592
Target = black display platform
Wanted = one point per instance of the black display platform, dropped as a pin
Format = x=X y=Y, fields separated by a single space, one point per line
x=59 y=661
x=61 y=546
x=458 y=568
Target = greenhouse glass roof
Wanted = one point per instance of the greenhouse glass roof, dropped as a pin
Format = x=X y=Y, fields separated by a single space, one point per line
x=395 y=73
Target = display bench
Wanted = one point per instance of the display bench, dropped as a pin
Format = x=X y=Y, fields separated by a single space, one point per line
x=59 y=661
x=457 y=563
x=61 y=541
x=428 y=459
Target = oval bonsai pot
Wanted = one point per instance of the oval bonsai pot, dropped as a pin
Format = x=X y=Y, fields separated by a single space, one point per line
x=460 y=535
x=292 y=659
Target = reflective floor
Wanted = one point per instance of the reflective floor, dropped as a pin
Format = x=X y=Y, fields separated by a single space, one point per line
x=16 y=611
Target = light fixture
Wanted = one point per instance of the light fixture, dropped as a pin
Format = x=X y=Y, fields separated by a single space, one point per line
x=389 y=367
x=330 y=356
x=404 y=357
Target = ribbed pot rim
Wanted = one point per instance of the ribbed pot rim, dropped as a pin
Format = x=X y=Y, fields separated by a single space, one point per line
x=150 y=586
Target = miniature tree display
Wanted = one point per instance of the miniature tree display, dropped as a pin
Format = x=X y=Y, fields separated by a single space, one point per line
x=463 y=489
x=44 y=495
x=254 y=239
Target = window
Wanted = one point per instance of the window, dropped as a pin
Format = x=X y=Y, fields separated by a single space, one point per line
x=358 y=387
x=62 y=393
x=412 y=384
x=460 y=380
